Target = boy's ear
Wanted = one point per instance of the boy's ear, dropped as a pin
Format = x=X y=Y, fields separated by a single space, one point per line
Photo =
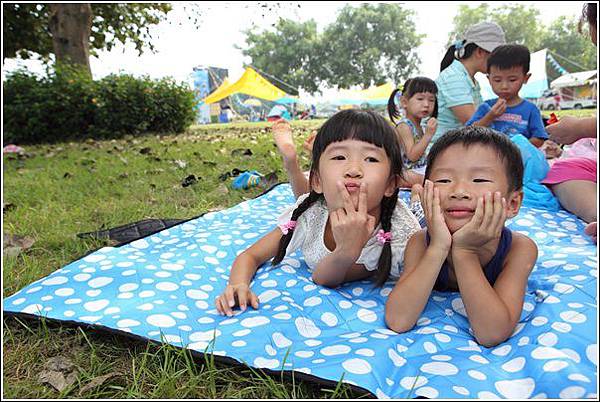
x=527 y=76
x=513 y=203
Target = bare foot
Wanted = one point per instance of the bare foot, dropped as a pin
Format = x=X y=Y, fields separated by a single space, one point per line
x=410 y=178
x=592 y=230
x=308 y=144
x=282 y=134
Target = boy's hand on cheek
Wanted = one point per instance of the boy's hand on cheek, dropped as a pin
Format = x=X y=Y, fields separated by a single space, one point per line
x=485 y=226
x=436 y=225
x=351 y=226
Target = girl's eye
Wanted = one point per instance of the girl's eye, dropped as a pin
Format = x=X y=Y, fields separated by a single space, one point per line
x=371 y=159
x=338 y=158
x=481 y=181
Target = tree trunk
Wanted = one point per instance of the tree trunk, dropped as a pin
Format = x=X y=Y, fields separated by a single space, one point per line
x=71 y=28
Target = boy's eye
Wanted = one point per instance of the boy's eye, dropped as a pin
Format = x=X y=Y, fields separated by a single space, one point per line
x=481 y=181
x=442 y=181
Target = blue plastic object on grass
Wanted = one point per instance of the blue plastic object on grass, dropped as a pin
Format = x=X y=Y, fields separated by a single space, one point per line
x=247 y=180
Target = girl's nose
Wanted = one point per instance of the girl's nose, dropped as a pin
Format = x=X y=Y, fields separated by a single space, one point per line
x=353 y=171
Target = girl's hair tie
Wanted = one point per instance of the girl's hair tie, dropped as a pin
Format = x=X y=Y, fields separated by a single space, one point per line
x=383 y=237
x=286 y=227
x=459 y=44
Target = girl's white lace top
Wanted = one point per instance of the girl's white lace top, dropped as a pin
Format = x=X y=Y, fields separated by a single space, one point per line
x=310 y=229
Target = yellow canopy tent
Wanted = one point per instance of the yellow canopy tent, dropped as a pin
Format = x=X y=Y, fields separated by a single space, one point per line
x=251 y=83
x=372 y=95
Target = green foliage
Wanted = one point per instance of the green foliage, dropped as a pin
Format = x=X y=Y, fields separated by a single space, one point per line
x=520 y=23
x=366 y=45
x=287 y=53
x=25 y=27
x=370 y=44
x=67 y=105
x=564 y=39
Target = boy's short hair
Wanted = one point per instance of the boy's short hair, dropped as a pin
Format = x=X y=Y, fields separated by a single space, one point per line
x=508 y=56
x=508 y=152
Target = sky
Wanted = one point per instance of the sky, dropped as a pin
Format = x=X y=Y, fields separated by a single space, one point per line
x=180 y=46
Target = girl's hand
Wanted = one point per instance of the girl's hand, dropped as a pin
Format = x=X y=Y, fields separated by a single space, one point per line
x=498 y=109
x=436 y=225
x=431 y=127
x=233 y=295
x=484 y=226
x=351 y=226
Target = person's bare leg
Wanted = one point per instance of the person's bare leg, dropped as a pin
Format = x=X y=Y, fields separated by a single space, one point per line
x=282 y=134
x=411 y=178
x=592 y=231
x=578 y=197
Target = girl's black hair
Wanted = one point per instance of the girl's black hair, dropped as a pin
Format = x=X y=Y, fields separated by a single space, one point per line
x=449 y=56
x=411 y=87
x=362 y=125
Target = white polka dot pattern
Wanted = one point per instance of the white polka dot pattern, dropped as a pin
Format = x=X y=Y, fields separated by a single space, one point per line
x=163 y=288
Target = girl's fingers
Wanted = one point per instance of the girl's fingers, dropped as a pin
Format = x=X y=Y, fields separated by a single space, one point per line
x=218 y=305
x=253 y=300
x=229 y=297
x=348 y=204
x=362 y=199
x=243 y=300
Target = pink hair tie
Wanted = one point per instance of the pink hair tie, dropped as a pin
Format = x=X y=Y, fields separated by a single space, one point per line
x=286 y=227
x=383 y=237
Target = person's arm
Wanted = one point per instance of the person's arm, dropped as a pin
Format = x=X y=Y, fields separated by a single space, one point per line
x=537 y=142
x=492 y=113
x=422 y=266
x=407 y=300
x=536 y=129
x=570 y=129
x=463 y=112
x=414 y=151
x=243 y=270
x=351 y=229
x=493 y=312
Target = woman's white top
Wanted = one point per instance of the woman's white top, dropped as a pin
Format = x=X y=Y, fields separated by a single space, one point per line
x=310 y=229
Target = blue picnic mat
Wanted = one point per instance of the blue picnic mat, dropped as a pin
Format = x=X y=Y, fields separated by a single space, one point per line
x=162 y=287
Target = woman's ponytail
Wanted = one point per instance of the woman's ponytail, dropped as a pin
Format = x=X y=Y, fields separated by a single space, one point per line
x=448 y=58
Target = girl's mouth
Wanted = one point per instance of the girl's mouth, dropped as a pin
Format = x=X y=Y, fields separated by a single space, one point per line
x=352 y=187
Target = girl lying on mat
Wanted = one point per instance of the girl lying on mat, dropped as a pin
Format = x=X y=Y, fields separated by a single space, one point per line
x=473 y=183
x=351 y=225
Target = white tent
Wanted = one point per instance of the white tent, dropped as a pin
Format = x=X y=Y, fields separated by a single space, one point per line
x=537 y=84
x=575 y=79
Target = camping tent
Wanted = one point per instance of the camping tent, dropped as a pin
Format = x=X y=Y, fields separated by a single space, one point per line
x=575 y=79
x=537 y=84
x=375 y=95
x=250 y=83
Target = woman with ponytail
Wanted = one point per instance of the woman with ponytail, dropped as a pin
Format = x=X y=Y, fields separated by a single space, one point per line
x=458 y=91
x=351 y=225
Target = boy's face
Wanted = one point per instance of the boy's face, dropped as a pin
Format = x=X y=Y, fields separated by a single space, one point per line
x=506 y=83
x=462 y=175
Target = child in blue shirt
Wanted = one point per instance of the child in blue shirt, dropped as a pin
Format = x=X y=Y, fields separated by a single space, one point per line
x=508 y=71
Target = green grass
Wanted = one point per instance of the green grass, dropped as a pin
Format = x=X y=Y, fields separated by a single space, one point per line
x=571 y=112
x=110 y=183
